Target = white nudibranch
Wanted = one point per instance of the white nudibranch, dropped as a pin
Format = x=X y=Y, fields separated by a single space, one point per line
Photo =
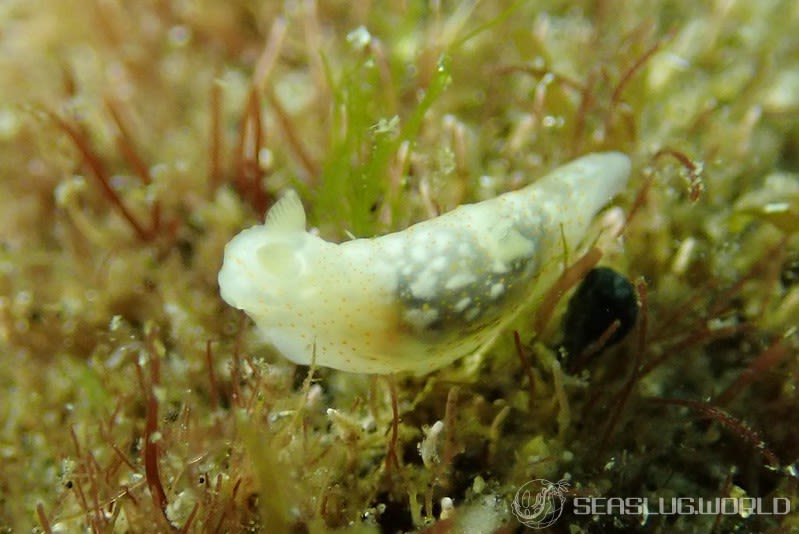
x=418 y=299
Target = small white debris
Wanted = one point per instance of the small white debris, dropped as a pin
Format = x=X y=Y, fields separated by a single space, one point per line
x=428 y=447
x=359 y=38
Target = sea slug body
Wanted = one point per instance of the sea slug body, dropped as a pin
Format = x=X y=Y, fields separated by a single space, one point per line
x=417 y=299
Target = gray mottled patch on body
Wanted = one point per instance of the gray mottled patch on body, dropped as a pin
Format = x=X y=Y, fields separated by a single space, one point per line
x=457 y=285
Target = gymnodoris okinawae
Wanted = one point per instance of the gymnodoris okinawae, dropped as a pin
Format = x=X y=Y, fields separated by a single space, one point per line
x=417 y=299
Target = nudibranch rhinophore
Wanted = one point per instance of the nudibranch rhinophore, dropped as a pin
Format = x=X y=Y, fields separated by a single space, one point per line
x=417 y=299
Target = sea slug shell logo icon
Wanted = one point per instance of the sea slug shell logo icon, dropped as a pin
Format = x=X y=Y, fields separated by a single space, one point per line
x=539 y=503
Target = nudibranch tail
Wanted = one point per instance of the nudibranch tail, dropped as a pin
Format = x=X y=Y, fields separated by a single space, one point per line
x=577 y=190
x=418 y=299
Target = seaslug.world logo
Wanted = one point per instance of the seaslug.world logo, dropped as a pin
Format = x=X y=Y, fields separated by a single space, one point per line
x=539 y=503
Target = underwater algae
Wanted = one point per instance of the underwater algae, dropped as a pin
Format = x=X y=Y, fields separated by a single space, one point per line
x=138 y=138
